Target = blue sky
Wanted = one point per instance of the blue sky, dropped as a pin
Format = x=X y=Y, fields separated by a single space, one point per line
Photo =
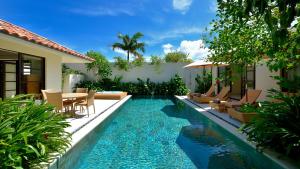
x=94 y=24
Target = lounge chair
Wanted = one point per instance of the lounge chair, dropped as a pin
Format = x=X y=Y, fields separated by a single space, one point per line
x=223 y=95
x=208 y=93
x=250 y=98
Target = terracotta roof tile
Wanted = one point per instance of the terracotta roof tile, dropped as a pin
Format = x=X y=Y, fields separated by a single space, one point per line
x=19 y=32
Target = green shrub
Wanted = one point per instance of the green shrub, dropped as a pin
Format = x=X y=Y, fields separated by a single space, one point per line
x=101 y=65
x=138 y=62
x=121 y=63
x=203 y=82
x=277 y=125
x=30 y=133
x=175 y=86
x=247 y=108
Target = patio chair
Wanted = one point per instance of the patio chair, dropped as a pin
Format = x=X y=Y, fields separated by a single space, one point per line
x=89 y=101
x=208 y=93
x=250 y=98
x=81 y=90
x=44 y=93
x=55 y=99
x=223 y=95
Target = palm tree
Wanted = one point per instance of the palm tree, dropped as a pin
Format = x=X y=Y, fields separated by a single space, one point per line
x=130 y=45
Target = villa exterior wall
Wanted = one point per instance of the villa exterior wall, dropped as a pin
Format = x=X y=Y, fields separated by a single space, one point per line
x=160 y=73
x=52 y=60
x=264 y=80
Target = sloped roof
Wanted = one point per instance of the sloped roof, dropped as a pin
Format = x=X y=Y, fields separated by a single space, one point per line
x=19 y=32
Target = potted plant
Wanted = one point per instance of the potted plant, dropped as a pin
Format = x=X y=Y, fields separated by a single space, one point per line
x=245 y=113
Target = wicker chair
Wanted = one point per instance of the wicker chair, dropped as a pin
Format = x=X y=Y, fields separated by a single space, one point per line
x=55 y=99
x=44 y=93
x=82 y=90
x=89 y=101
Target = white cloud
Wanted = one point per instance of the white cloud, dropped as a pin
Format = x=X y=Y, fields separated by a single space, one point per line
x=158 y=37
x=168 y=48
x=182 y=5
x=195 y=49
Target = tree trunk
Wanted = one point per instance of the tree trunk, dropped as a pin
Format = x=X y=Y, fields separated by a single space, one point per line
x=128 y=56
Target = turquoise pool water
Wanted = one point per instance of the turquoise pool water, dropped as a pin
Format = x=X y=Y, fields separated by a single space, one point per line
x=162 y=133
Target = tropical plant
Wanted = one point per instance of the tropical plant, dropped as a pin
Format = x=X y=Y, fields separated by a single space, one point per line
x=30 y=133
x=67 y=71
x=176 y=57
x=130 y=45
x=247 y=108
x=156 y=60
x=121 y=63
x=175 y=86
x=101 y=65
x=203 y=81
x=138 y=62
x=277 y=125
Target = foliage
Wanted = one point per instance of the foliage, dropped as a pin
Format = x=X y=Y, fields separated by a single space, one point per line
x=100 y=65
x=122 y=64
x=277 y=125
x=248 y=31
x=247 y=108
x=175 y=57
x=277 y=14
x=203 y=82
x=156 y=60
x=130 y=45
x=237 y=42
x=30 y=133
x=138 y=62
x=67 y=71
x=175 y=86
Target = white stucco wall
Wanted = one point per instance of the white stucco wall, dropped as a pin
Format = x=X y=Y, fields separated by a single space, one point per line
x=156 y=74
x=70 y=81
x=264 y=80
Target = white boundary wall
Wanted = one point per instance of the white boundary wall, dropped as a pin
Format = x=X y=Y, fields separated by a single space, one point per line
x=160 y=73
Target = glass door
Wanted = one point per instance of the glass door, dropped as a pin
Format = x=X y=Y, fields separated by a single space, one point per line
x=8 y=82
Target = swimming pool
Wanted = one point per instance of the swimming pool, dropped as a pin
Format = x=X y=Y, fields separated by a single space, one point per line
x=162 y=133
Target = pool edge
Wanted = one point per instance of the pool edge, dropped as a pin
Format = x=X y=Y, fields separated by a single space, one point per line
x=285 y=163
x=78 y=135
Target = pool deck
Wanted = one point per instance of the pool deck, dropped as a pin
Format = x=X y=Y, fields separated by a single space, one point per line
x=223 y=116
x=81 y=118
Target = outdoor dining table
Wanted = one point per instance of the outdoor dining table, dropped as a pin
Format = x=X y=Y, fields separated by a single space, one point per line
x=71 y=96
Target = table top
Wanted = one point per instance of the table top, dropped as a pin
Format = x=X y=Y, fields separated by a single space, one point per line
x=73 y=95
